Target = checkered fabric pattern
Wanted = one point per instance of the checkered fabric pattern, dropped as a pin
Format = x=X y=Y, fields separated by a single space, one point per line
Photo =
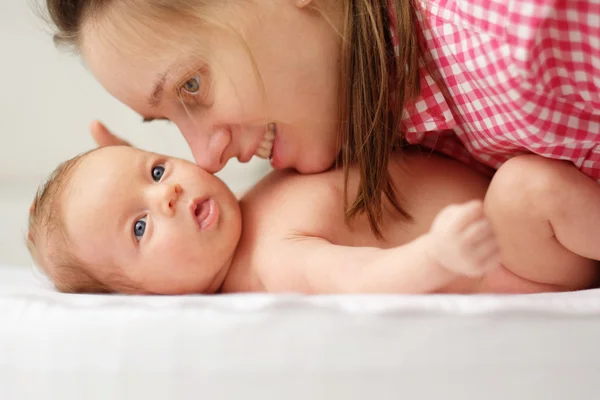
x=523 y=76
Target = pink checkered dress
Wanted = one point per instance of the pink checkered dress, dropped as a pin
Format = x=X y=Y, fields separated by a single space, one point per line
x=524 y=76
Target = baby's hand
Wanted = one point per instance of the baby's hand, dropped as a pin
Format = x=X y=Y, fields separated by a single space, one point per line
x=463 y=240
x=103 y=137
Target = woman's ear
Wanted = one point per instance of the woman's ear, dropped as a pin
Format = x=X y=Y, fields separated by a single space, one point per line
x=103 y=137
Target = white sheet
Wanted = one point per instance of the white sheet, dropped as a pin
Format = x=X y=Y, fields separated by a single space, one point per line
x=59 y=346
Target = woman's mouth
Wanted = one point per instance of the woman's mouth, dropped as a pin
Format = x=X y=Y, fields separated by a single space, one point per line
x=205 y=212
x=265 y=148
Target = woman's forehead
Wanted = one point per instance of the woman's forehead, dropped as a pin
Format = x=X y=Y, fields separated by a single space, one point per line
x=130 y=66
x=126 y=75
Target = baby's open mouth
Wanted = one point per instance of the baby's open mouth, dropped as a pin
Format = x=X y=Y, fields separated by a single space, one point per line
x=265 y=148
x=205 y=211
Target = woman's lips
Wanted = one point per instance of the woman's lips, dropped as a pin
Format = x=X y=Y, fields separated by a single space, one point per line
x=206 y=212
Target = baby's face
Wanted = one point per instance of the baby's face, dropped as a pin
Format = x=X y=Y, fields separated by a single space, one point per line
x=162 y=223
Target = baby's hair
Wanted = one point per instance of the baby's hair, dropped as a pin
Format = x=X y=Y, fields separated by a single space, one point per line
x=49 y=244
x=47 y=241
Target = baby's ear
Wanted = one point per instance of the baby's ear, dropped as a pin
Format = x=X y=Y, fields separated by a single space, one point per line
x=29 y=237
x=103 y=137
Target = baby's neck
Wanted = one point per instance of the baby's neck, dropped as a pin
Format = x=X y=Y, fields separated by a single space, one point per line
x=239 y=276
x=232 y=272
x=219 y=281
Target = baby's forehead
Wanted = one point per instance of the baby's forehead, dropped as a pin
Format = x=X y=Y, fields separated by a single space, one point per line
x=98 y=186
x=110 y=161
x=115 y=153
x=90 y=212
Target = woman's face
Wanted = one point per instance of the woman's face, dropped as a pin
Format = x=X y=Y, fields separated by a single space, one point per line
x=224 y=88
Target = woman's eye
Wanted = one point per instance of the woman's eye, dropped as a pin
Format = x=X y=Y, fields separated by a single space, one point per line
x=157 y=173
x=139 y=228
x=192 y=86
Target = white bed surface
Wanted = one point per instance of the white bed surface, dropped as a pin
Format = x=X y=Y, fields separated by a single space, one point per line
x=294 y=347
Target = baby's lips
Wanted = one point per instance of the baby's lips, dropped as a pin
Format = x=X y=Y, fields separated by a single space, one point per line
x=205 y=211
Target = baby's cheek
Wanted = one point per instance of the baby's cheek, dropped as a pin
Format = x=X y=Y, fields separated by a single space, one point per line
x=177 y=251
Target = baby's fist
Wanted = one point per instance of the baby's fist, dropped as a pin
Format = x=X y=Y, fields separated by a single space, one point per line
x=463 y=240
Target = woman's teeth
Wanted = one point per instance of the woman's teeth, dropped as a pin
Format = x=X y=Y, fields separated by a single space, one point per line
x=265 y=148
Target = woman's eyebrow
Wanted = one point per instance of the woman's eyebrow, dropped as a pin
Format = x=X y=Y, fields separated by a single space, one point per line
x=152 y=119
x=159 y=88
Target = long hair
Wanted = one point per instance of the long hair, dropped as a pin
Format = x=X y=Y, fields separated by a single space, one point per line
x=376 y=85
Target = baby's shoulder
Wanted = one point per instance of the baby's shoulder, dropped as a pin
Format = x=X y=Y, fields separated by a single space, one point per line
x=283 y=207
x=288 y=200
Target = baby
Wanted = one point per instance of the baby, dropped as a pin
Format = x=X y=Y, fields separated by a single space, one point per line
x=118 y=219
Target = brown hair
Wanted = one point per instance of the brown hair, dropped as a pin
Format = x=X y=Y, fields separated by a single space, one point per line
x=375 y=86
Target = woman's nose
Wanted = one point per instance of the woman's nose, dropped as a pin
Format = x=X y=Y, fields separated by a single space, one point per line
x=166 y=197
x=210 y=149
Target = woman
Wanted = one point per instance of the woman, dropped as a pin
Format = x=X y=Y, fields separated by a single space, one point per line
x=308 y=82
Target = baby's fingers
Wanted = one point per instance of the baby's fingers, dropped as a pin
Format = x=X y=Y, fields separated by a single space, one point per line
x=463 y=215
x=479 y=231
x=488 y=255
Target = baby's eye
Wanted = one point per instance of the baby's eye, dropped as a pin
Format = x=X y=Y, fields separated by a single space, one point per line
x=139 y=228
x=192 y=86
x=158 y=172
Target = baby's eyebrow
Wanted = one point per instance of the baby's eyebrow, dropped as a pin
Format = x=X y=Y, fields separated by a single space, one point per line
x=122 y=223
x=139 y=173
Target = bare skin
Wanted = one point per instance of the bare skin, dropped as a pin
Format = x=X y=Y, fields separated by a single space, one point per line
x=546 y=214
x=295 y=239
x=147 y=216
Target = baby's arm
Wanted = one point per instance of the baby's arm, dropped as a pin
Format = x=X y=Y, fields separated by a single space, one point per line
x=460 y=243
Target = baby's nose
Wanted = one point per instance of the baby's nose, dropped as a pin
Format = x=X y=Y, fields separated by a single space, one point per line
x=175 y=193
x=171 y=196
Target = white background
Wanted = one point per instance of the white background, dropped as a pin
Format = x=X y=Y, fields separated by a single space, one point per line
x=47 y=100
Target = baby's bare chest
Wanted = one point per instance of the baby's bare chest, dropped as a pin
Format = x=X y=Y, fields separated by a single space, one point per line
x=314 y=207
